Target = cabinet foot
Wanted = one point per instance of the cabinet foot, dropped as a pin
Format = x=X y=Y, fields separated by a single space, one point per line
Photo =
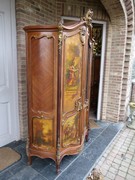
x=29 y=160
x=57 y=168
x=86 y=138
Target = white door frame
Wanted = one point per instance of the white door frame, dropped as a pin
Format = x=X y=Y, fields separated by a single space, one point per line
x=15 y=75
x=100 y=92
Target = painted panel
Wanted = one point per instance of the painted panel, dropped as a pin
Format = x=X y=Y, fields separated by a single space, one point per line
x=71 y=130
x=2 y=51
x=72 y=71
x=43 y=133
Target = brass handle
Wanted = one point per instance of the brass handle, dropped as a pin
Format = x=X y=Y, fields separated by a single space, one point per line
x=86 y=104
x=78 y=106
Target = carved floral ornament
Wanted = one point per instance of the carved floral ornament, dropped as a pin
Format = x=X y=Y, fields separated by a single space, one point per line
x=88 y=17
x=88 y=21
x=60 y=27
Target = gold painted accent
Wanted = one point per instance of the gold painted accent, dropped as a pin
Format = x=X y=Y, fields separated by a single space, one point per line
x=27 y=147
x=63 y=121
x=82 y=34
x=86 y=104
x=78 y=106
x=60 y=38
x=58 y=150
x=88 y=20
x=42 y=36
x=88 y=17
x=42 y=114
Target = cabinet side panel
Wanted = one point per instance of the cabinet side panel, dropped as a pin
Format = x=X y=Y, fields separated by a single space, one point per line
x=42 y=69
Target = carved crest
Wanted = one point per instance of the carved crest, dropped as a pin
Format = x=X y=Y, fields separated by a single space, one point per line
x=88 y=17
x=88 y=20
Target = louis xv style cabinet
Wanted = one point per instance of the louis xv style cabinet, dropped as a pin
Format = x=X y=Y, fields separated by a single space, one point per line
x=58 y=78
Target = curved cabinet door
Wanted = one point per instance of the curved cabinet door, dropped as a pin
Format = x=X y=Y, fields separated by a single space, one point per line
x=72 y=120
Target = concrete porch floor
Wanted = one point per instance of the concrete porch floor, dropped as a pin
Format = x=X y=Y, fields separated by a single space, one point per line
x=118 y=161
x=75 y=167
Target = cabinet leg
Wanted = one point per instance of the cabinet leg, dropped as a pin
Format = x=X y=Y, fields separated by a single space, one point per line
x=86 y=138
x=29 y=160
x=57 y=167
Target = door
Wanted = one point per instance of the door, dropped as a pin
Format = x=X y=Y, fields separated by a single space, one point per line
x=9 y=129
x=73 y=90
x=95 y=82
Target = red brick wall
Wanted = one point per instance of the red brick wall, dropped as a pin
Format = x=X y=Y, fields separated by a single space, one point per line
x=117 y=82
x=127 y=73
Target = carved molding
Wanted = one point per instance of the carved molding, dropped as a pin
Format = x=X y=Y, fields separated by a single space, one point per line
x=60 y=37
x=42 y=114
x=42 y=36
x=58 y=151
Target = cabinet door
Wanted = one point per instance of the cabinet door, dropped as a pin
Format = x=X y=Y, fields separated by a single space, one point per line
x=72 y=90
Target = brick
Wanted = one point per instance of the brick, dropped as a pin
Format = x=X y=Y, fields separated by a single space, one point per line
x=132 y=167
x=104 y=171
x=131 y=172
x=129 y=156
x=114 y=165
x=125 y=164
x=113 y=170
x=119 y=178
x=117 y=161
x=110 y=175
x=130 y=177
x=122 y=174
x=123 y=168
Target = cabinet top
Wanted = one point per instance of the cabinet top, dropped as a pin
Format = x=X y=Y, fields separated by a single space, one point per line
x=86 y=21
x=40 y=27
x=66 y=26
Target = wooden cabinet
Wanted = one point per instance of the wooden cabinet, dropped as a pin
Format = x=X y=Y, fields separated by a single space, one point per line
x=58 y=78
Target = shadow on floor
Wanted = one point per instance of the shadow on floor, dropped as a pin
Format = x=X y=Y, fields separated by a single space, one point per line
x=74 y=167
